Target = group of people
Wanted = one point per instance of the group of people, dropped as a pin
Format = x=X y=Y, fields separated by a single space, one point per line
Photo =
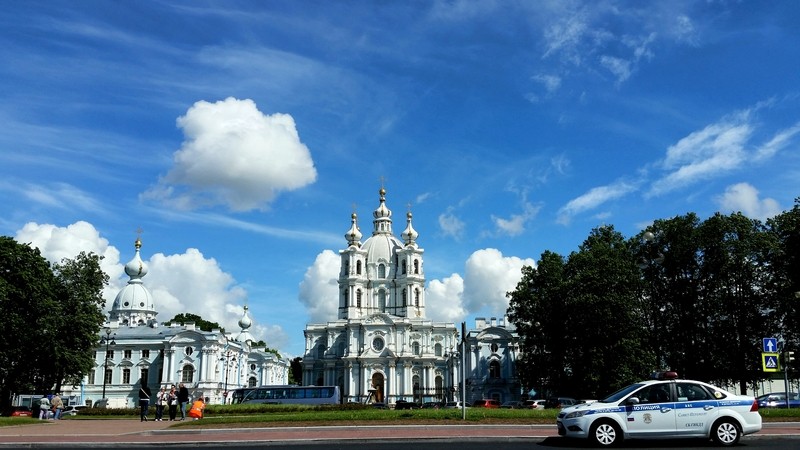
x=50 y=408
x=173 y=401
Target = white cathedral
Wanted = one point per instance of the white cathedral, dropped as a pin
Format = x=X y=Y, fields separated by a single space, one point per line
x=135 y=350
x=382 y=348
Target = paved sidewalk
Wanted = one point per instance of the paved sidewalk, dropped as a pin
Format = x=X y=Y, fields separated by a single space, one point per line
x=134 y=431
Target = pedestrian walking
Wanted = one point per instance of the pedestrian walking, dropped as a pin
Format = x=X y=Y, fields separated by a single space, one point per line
x=58 y=406
x=44 y=408
x=144 y=402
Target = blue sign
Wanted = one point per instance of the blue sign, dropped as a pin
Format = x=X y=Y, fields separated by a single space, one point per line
x=770 y=345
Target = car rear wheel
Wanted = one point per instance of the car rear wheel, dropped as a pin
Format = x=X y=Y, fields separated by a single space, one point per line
x=605 y=434
x=726 y=433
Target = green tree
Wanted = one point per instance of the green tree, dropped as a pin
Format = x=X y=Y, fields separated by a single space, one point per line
x=199 y=322
x=80 y=311
x=27 y=300
x=536 y=308
x=736 y=296
x=296 y=371
x=785 y=271
x=607 y=345
x=670 y=269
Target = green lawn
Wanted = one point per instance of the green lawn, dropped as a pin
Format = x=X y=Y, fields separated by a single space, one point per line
x=286 y=415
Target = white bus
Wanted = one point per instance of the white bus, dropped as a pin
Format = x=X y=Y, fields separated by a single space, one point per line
x=288 y=394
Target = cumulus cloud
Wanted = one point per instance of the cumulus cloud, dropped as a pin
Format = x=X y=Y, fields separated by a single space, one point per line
x=180 y=283
x=319 y=290
x=444 y=299
x=743 y=197
x=56 y=243
x=236 y=156
x=592 y=199
x=488 y=275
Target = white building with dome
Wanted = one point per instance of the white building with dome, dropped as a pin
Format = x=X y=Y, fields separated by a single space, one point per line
x=382 y=348
x=135 y=349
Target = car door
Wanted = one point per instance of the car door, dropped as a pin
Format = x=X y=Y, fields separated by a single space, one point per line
x=654 y=414
x=696 y=408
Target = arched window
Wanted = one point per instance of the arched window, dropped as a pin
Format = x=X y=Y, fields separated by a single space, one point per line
x=404 y=297
x=321 y=351
x=358 y=267
x=358 y=298
x=494 y=369
x=415 y=348
x=381 y=271
x=416 y=267
x=437 y=349
x=187 y=374
x=403 y=267
x=251 y=382
x=382 y=300
x=347 y=267
x=416 y=297
x=346 y=297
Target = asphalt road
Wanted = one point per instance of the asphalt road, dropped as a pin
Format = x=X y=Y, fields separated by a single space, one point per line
x=749 y=443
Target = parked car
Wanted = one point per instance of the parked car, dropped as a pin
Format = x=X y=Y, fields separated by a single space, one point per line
x=778 y=400
x=403 y=404
x=432 y=405
x=533 y=404
x=18 y=411
x=72 y=410
x=560 y=402
x=486 y=403
x=661 y=408
x=453 y=405
x=511 y=404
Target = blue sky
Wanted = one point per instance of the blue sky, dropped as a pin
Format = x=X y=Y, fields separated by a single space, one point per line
x=241 y=135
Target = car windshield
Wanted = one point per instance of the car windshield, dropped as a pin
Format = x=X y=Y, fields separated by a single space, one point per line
x=622 y=393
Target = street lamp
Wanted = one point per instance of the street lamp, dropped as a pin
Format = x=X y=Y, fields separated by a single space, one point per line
x=229 y=357
x=108 y=340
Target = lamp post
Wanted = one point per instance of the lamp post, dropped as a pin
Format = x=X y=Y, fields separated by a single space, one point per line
x=452 y=361
x=228 y=358
x=108 y=340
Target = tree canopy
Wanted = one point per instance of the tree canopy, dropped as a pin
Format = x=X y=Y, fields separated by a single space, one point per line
x=684 y=294
x=52 y=317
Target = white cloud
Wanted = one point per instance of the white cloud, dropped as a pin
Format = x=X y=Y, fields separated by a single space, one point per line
x=235 y=156
x=778 y=142
x=56 y=243
x=592 y=199
x=716 y=149
x=450 y=224
x=743 y=198
x=515 y=225
x=488 y=275
x=551 y=83
x=180 y=283
x=444 y=299
x=319 y=290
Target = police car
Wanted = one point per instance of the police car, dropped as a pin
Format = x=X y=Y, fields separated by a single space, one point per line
x=661 y=408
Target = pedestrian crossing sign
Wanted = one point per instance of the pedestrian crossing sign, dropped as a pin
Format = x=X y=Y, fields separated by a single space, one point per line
x=769 y=362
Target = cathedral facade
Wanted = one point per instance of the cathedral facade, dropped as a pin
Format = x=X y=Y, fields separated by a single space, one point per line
x=136 y=350
x=382 y=348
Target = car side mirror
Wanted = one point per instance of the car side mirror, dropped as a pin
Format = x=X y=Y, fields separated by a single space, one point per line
x=632 y=401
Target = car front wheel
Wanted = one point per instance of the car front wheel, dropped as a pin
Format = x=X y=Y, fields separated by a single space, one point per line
x=605 y=434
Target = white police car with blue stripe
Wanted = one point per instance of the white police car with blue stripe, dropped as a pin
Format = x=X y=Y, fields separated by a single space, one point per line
x=662 y=408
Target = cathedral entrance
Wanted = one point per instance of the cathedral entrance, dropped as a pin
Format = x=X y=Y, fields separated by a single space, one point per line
x=377 y=385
